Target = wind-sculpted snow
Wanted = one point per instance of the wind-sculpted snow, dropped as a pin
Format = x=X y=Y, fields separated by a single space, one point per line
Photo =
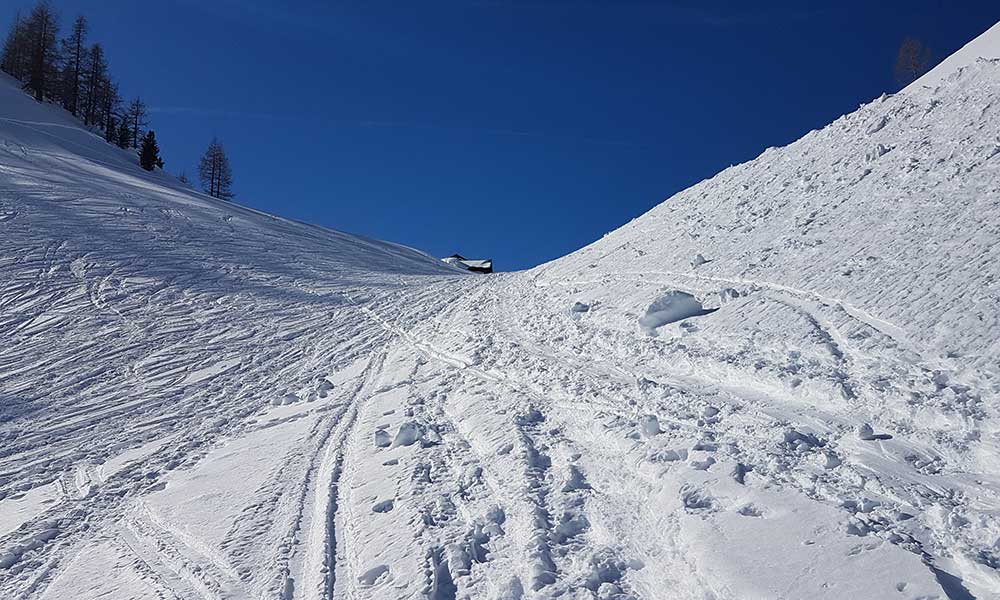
x=201 y=401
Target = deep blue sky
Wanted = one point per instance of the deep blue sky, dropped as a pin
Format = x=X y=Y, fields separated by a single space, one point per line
x=514 y=129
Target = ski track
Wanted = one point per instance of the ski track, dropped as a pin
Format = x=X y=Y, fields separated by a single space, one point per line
x=319 y=569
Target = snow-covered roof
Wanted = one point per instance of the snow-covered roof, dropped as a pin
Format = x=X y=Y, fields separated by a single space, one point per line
x=480 y=264
x=467 y=263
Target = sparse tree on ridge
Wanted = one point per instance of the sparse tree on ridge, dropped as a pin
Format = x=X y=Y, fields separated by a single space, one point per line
x=214 y=171
x=149 y=153
x=137 y=120
x=74 y=54
x=913 y=60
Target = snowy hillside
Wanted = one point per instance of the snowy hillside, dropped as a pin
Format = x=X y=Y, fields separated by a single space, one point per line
x=986 y=46
x=780 y=383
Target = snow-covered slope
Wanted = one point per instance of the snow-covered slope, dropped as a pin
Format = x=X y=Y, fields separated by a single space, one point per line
x=780 y=383
x=856 y=278
x=141 y=323
x=986 y=46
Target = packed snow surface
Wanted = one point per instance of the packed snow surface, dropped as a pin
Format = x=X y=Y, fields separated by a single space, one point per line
x=198 y=400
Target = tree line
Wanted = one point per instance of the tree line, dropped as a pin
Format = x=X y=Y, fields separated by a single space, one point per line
x=73 y=72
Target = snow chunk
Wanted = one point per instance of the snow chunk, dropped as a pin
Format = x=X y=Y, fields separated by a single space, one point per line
x=285 y=400
x=877 y=125
x=866 y=433
x=409 y=433
x=877 y=152
x=671 y=307
x=430 y=438
x=650 y=425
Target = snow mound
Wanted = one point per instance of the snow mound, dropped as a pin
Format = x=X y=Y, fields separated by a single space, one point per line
x=671 y=307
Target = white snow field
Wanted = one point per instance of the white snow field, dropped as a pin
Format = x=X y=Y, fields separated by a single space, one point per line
x=780 y=383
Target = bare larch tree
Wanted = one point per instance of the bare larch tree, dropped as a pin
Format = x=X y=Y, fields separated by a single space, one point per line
x=913 y=60
x=214 y=171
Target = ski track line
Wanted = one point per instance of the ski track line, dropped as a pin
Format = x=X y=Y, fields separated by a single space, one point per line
x=322 y=553
x=206 y=566
x=164 y=563
x=99 y=505
x=152 y=573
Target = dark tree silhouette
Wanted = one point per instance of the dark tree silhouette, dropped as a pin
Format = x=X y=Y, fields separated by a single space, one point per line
x=124 y=136
x=41 y=30
x=94 y=81
x=74 y=54
x=137 y=120
x=214 y=171
x=912 y=61
x=111 y=131
x=149 y=153
x=14 y=59
x=110 y=106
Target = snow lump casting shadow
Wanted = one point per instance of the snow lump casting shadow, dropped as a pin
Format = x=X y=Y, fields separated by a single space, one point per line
x=670 y=308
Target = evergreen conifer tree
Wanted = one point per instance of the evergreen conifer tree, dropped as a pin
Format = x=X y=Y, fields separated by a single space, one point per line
x=149 y=153
x=124 y=136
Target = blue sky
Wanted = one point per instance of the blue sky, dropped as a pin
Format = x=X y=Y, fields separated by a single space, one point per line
x=517 y=130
